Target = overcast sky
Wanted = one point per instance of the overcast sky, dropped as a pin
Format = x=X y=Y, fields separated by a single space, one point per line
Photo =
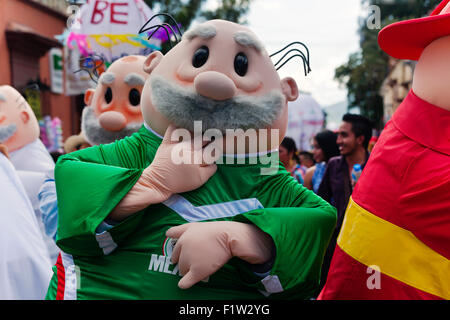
x=328 y=27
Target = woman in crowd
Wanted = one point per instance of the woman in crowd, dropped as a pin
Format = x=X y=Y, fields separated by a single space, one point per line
x=289 y=158
x=324 y=148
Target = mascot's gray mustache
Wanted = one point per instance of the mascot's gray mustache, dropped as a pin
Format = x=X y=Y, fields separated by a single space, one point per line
x=7 y=131
x=95 y=134
x=182 y=107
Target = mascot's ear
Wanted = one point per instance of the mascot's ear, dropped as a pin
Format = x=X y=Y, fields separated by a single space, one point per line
x=152 y=61
x=290 y=89
x=88 y=95
x=24 y=116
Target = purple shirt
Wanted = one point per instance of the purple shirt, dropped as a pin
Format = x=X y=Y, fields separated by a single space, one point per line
x=336 y=188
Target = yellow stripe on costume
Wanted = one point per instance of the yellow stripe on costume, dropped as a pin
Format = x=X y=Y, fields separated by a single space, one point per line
x=371 y=240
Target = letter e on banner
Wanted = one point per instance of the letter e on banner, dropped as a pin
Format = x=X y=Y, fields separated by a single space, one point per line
x=115 y=13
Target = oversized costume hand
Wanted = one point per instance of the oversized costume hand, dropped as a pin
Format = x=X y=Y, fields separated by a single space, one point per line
x=203 y=248
x=164 y=177
x=169 y=175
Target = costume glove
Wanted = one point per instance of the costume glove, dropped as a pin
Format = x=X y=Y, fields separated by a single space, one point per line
x=166 y=175
x=202 y=248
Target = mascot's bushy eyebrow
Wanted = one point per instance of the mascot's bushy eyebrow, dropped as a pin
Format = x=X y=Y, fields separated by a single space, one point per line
x=287 y=56
x=202 y=31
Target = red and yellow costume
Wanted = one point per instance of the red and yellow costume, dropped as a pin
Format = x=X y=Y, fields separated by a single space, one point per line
x=398 y=219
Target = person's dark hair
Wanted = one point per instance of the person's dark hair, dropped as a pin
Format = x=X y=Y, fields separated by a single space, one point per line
x=327 y=142
x=55 y=155
x=361 y=126
x=289 y=144
x=307 y=154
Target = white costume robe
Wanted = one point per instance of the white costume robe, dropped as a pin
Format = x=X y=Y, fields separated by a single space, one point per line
x=32 y=162
x=25 y=268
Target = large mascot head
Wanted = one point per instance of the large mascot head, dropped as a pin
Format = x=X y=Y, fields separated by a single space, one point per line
x=220 y=75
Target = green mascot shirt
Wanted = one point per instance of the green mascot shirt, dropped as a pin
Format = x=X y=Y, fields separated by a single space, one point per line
x=131 y=260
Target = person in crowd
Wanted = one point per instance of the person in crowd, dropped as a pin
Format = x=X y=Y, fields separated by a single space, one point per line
x=336 y=187
x=289 y=158
x=306 y=159
x=324 y=148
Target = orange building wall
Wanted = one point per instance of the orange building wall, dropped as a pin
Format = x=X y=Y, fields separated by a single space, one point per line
x=5 y=74
x=48 y=24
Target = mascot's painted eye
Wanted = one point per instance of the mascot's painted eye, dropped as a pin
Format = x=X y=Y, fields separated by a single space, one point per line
x=134 y=97
x=241 y=64
x=108 y=95
x=200 y=57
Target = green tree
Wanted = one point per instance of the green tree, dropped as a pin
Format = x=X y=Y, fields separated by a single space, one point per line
x=186 y=11
x=231 y=10
x=365 y=70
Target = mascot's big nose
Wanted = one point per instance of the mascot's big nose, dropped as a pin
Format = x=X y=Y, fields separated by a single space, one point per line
x=214 y=85
x=112 y=121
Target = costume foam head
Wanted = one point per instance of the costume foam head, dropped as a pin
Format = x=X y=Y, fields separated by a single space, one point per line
x=432 y=73
x=18 y=123
x=113 y=108
x=219 y=74
x=426 y=40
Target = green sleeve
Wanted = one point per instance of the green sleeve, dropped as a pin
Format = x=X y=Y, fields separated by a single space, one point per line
x=301 y=227
x=89 y=184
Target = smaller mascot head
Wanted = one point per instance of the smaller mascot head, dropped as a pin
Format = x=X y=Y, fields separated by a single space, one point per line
x=18 y=123
x=113 y=108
